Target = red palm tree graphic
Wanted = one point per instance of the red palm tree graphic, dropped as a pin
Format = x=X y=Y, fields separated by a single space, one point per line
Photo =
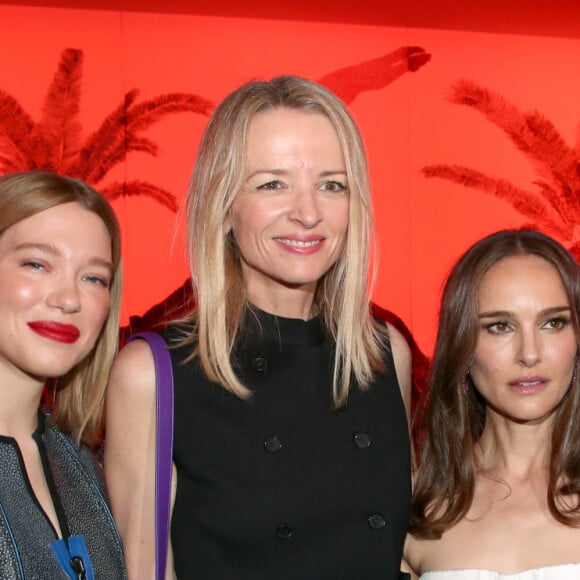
x=554 y=206
x=55 y=142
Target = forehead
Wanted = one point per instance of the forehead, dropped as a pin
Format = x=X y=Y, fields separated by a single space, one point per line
x=291 y=123
x=521 y=281
x=67 y=223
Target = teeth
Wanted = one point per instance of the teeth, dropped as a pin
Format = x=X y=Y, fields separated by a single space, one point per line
x=298 y=243
x=530 y=384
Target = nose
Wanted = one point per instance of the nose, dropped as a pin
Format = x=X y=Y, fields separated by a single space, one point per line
x=530 y=352
x=64 y=295
x=306 y=208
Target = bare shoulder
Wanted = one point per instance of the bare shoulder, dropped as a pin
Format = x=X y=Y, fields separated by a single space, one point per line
x=133 y=372
x=130 y=400
x=402 y=357
x=411 y=557
x=399 y=347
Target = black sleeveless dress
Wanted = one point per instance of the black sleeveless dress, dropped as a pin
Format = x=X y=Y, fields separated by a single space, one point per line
x=283 y=486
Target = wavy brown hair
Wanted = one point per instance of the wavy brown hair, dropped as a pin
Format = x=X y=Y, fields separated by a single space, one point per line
x=77 y=400
x=453 y=418
x=342 y=296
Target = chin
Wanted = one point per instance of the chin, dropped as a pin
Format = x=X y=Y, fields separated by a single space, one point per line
x=50 y=370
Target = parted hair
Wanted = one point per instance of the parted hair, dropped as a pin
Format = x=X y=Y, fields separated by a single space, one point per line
x=77 y=397
x=342 y=296
x=454 y=417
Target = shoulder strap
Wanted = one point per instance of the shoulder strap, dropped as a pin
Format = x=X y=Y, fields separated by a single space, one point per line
x=163 y=446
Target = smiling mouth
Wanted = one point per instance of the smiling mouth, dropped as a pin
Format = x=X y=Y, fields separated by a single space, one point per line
x=298 y=243
x=65 y=333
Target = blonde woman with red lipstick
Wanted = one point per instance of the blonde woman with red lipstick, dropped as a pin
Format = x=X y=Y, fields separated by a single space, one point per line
x=60 y=284
x=291 y=448
x=497 y=493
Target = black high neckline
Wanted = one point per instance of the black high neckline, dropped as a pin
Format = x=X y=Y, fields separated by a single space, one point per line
x=284 y=330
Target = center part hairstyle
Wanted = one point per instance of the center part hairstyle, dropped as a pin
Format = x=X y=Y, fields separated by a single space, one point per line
x=454 y=417
x=77 y=397
x=341 y=298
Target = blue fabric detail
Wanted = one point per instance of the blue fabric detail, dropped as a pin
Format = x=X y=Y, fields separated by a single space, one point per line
x=73 y=558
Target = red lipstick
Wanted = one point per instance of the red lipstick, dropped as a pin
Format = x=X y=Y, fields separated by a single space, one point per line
x=56 y=331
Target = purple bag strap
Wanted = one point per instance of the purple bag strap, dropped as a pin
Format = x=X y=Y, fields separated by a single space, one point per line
x=163 y=445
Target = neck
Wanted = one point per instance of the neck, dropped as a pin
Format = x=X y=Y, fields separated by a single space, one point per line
x=516 y=449
x=288 y=302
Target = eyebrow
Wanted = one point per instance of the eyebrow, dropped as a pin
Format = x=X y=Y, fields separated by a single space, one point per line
x=53 y=251
x=48 y=248
x=100 y=262
x=508 y=314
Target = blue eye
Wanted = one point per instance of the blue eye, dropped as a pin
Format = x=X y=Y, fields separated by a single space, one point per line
x=98 y=280
x=32 y=265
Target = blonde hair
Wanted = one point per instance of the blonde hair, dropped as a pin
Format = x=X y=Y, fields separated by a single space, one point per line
x=341 y=299
x=78 y=396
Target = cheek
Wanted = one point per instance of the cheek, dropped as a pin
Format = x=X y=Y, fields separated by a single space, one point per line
x=256 y=213
x=487 y=362
x=245 y=227
x=20 y=294
x=338 y=215
x=566 y=354
x=98 y=309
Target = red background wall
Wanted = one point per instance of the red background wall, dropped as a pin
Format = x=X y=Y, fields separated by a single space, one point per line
x=530 y=55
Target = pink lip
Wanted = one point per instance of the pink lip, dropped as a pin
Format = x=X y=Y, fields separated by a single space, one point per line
x=528 y=385
x=56 y=331
x=303 y=245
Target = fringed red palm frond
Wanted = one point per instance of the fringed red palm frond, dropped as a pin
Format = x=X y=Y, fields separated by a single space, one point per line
x=118 y=154
x=15 y=127
x=531 y=132
x=40 y=150
x=552 y=195
x=535 y=136
x=108 y=136
x=140 y=188
x=528 y=204
x=60 y=119
x=141 y=116
x=549 y=150
x=119 y=133
x=375 y=74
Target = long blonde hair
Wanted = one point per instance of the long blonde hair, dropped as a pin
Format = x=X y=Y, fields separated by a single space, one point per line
x=78 y=396
x=342 y=297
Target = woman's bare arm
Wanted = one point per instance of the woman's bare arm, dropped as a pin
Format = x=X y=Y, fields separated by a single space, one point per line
x=402 y=357
x=130 y=457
